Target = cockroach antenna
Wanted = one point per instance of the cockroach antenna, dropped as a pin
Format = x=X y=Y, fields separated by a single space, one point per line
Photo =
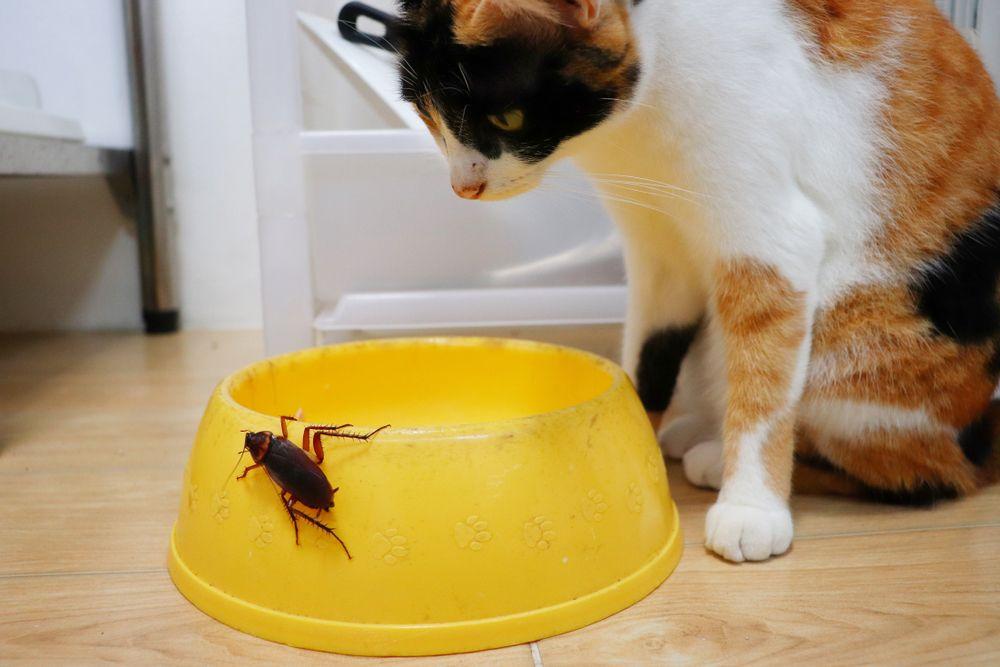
x=230 y=475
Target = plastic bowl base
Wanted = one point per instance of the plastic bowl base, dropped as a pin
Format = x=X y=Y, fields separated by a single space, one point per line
x=433 y=639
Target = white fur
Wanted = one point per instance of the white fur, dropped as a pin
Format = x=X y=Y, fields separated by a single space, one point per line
x=703 y=464
x=782 y=152
x=853 y=420
x=739 y=143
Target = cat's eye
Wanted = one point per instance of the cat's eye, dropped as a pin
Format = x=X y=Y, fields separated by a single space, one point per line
x=509 y=121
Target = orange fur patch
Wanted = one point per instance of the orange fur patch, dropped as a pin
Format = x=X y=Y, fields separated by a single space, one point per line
x=609 y=51
x=604 y=55
x=942 y=117
x=846 y=30
x=942 y=172
x=778 y=455
x=903 y=461
x=763 y=321
x=478 y=22
x=874 y=348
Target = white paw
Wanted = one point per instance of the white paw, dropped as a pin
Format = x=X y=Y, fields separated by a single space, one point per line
x=741 y=532
x=682 y=434
x=703 y=465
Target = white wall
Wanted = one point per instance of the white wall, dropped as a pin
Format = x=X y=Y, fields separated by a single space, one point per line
x=206 y=93
x=68 y=257
x=75 y=50
x=89 y=279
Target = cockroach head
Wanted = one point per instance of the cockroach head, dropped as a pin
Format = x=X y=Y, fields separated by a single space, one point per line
x=257 y=444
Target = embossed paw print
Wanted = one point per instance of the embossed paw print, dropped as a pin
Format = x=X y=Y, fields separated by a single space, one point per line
x=220 y=506
x=261 y=530
x=192 y=498
x=635 y=499
x=390 y=546
x=594 y=506
x=472 y=533
x=539 y=533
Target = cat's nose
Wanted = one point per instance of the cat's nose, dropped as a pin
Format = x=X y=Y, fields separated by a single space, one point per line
x=469 y=190
x=468 y=177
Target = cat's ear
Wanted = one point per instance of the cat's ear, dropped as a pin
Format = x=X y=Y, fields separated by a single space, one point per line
x=486 y=20
x=581 y=13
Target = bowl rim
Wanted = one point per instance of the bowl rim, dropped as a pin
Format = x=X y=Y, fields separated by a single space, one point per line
x=462 y=431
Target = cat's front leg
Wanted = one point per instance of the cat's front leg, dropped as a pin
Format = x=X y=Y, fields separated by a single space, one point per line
x=763 y=314
x=664 y=312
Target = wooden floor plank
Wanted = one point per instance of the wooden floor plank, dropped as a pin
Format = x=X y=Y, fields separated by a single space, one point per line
x=141 y=619
x=819 y=516
x=921 y=597
x=94 y=522
x=94 y=435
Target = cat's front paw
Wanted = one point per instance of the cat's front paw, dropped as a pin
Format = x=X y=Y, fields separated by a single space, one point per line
x=743 y=532
x=683 y=433
x=703 y=465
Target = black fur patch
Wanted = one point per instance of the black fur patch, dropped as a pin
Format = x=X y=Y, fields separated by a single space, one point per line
x=659 y=365
x=959 y=294
x=469 y=83
x=993 y=367
x=924 y=494
x=976 y=440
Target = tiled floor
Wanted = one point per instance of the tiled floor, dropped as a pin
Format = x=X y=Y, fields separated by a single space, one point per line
x=94 y=431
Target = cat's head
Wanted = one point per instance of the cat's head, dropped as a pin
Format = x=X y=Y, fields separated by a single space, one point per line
x=504 y=84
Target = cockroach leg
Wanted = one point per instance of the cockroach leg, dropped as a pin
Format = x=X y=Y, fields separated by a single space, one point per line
x=357 y=436
x=316 y=430
x=335 y=432
x=291 y=515
x=322 y=526
x=284 y=425
x=317 y=445
x=248 y=469
x=369 y=436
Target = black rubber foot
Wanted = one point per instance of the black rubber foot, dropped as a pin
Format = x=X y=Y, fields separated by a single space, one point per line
x=161 y=321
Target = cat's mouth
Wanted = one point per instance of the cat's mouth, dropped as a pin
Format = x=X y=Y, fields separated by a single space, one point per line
x=512 y=187
x=507 y=191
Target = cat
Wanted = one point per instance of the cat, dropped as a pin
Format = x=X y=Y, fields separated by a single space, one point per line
x=808 y=194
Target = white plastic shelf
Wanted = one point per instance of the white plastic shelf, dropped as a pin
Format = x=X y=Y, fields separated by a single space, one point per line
x=36 y=143
x=447 y=310
x=373 y=70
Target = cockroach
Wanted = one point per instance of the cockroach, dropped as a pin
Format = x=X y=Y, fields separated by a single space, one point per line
x=299 y=479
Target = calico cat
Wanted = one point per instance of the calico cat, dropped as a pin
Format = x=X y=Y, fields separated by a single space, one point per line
x=808 y=193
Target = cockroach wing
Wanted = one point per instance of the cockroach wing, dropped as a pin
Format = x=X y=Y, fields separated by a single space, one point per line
x=293 y=471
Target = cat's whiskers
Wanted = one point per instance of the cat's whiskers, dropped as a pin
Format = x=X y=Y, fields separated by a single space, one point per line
x=465 y=77
x=646 y=189
x=653 y=182
x=447 y=89
x=632 y=102
x=594 y=196
x=402 y=59
x=461 y=124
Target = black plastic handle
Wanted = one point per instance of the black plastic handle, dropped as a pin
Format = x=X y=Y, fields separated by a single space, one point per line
x=347 y=21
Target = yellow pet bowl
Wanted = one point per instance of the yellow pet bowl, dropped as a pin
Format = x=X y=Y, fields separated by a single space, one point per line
x=519 y=494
